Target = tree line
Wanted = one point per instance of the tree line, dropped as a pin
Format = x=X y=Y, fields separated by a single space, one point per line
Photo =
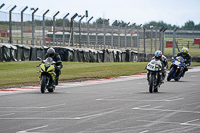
x=189 y=25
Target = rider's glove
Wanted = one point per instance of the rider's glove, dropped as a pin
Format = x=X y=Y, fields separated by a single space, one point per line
x=57 y=67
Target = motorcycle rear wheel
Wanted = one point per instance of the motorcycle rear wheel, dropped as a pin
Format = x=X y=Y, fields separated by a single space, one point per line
x=43 y=83
x=51 y=89
x=169 y=77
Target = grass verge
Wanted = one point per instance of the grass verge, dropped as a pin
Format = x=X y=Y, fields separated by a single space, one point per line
x=26 y=71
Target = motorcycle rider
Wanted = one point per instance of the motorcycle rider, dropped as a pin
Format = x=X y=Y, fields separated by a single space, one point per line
x=158 y=55
x=187 y=58
x=56 y=57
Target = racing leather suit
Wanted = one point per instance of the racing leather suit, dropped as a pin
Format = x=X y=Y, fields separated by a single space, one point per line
x=187 y=59
x=164 y=62
x=59 y=65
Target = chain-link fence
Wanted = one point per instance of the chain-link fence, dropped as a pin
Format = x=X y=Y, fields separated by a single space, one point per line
x=19 y=28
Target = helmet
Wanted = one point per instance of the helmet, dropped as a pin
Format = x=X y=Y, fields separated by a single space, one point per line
x=184 y=51
x=158 y=54
x=51 y=52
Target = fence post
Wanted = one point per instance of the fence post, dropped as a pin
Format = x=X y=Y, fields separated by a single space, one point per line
x=2 y=5
x=152 y=27
x=112 y=35
x=22 y=24
x=104 y=34
x=80 y=30
x=88 y=31
x=72 y=29
x=160 y=38
x=138 y=39
x=33 y=25
x=156 y=39
x=163 y=45
x=119 y=36
x=174 y=40
x=54 y=25
x=96 y=33
x=144 y=41
x=10 y=24
x=43 y=29
x=64 y=29
x=125 y=33
x=132 y=37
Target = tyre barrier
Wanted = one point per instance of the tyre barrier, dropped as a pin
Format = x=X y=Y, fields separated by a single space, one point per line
x=16 y=52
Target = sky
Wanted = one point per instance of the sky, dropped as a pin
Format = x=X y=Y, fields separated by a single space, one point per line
x=174 y=12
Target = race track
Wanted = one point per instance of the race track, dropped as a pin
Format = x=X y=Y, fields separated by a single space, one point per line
x=117 y=105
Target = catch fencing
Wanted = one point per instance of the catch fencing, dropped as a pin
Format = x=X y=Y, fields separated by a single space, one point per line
x=34 y=30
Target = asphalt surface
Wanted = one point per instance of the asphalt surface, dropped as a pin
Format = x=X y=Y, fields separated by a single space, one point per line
x=113 y=106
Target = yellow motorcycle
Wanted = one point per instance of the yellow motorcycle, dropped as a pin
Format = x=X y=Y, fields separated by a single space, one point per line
x=47 y=74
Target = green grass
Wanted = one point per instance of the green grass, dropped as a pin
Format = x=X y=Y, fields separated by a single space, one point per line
x=26 y=71
x=194 y=49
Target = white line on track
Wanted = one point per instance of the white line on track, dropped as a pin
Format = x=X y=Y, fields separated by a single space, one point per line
x=148 y=100
x=189 y=123
x=62 y=118
x=166 y=110
x=144 y=131
x=43 y=107
x=26 y=131
x=7 y=114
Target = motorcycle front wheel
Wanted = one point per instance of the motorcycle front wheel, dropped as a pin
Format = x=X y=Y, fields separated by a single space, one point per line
x=151 y=84
x=170 y=75
x=43 y=83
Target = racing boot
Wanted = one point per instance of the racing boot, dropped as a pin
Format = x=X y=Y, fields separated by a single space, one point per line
x=56 y=80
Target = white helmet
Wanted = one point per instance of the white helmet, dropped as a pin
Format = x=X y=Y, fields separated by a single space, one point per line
x=158 y=54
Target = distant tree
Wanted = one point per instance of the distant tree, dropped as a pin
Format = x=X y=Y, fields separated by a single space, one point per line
x=157 y=24
x=190 y=24
x=100 y=21
x=197 y=26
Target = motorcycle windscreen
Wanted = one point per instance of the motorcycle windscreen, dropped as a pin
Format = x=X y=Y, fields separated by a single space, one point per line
x=48 y=62
x=180 y=59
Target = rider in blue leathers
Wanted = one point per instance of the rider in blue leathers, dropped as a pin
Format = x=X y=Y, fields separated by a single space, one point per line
x=184 y=53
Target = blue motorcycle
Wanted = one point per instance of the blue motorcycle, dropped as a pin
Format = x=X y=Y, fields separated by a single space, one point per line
x=176 y=69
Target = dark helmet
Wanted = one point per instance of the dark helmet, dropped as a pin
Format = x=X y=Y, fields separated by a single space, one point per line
x=158 y=54
x=51 y=52
x=184 y=51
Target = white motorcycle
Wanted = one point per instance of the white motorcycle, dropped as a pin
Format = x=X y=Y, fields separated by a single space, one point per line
x=154 y=75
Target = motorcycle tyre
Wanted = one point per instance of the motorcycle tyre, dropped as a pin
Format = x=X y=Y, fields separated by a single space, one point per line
x=51 y=90
x=151 y=84
x=43 y=84
x=156 y=89
x=169 y=77
x=177 y=79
